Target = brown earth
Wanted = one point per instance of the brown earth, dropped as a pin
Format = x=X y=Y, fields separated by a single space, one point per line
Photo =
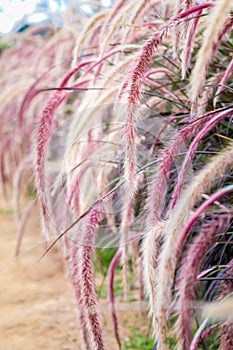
x=36 y=299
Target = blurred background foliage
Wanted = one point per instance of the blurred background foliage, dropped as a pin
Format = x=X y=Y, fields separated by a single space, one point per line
x=17 y=15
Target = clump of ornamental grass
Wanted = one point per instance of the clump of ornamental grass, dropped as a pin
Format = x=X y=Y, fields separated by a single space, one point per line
x=26 y=71
x=146 y=157
x=30 y=67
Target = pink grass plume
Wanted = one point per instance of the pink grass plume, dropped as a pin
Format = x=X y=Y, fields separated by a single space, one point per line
x=42 y=139
x=190 y=153
x=188 y=278
x=87 y=278
x=110 y=283
x=75 y=275
x=136 y=78
x=215 y=196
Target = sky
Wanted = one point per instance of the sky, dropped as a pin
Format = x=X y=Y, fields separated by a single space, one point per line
x=33 y=11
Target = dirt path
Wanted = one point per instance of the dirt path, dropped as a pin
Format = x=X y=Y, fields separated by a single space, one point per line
x=36 y=300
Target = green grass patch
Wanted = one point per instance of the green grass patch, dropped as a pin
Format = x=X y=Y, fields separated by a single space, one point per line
x=137 y=341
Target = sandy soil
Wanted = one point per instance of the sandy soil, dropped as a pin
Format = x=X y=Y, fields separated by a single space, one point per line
x=36 y=299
